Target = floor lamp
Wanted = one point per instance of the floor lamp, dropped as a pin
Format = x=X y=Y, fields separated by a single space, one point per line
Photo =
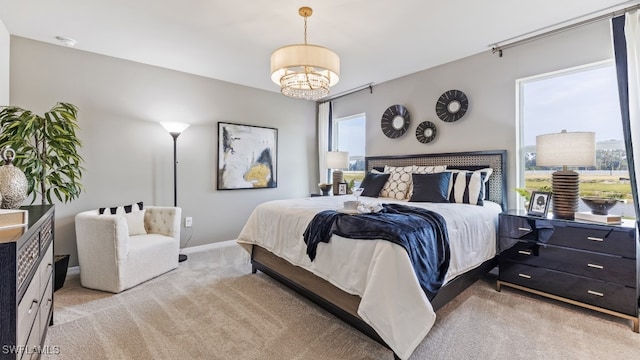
x=175 y=129
x=565 y=149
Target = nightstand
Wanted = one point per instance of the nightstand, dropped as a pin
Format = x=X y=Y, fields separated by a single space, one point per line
x=586 y=264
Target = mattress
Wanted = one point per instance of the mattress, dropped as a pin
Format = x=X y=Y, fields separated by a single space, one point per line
x=378 y=271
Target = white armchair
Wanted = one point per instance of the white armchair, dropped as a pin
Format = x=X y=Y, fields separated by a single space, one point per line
x=114 y=252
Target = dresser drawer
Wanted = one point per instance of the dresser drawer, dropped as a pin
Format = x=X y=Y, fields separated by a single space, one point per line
x=45 y=305
x=605 y=239
x=28 y=310
x=46 y=267
x=614 y=240
x=516 y=227
x=602 y=294
x=27 y=258
x=598 y=266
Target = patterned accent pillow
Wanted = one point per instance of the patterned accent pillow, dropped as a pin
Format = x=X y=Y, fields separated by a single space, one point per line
x=118 y=210
x=398 y=183
x=468 y=187
x=424 y=170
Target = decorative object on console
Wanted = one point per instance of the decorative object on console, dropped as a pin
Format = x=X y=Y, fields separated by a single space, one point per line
x=342 y=188
x=337 y=160
x=539 y=203
x=452 y=105
x=395 y=121
x=175 y=129
x=247 y=157
x=325 y=188
x=426 y=132
x=305 y=71
x=599 y=206
x=13 y=182
x=565 y=149
x=602 y=219
x=48 y=148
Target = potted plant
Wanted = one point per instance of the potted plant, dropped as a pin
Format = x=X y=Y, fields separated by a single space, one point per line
x=46 y=150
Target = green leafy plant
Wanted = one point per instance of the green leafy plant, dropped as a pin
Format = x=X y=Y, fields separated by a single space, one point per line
x=46 y=150
x=526 y=194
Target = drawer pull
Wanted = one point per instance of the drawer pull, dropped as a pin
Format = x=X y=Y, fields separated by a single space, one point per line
x=524 y=252
x=525 y=276
x=594 y=238
x=34 y=302
x=595 y=266
x=524 y=229
x=595 y=293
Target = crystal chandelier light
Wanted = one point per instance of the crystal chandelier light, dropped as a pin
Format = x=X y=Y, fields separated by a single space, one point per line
x=305 y=71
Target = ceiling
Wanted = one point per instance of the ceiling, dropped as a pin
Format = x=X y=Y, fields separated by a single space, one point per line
x=377 y=40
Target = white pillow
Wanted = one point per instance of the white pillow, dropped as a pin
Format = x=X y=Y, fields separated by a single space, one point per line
x=135 y=222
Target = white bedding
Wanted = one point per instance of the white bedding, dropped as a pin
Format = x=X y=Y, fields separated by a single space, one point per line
x=379 y=271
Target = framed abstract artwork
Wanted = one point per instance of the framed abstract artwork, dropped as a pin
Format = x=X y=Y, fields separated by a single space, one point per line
x=247 y=157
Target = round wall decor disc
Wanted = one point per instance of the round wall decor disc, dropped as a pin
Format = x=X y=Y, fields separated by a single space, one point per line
x=452 y=105
x=395 y=121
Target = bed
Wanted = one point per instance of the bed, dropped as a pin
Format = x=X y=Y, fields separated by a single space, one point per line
x=371 y=284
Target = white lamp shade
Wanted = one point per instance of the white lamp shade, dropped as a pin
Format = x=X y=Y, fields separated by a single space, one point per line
x=337 y=160
x=293 y=57
x=174 y=127
x=566 y=149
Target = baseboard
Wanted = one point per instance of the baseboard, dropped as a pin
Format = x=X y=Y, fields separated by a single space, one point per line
x=75 y=270
x=205 y=247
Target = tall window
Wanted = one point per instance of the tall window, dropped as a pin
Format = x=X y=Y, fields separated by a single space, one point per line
x=577 y=99
x=348 y=134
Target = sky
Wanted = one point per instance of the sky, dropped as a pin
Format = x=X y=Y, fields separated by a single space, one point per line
x=577 y=101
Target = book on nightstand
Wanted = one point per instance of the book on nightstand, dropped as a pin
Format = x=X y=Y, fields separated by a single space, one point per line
x=602 y=219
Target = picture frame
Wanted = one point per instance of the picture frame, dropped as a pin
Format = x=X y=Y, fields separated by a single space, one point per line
x=247 y=157
x=342 y=188
x=539 y=203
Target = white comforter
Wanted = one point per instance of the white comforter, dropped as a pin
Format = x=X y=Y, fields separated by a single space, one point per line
x=379 y=271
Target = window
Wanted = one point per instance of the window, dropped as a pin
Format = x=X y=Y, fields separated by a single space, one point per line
x=578 y=99
x=348 y=134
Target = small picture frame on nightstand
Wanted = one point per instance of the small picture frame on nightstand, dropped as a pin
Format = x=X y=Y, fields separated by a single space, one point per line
x=342 y=188
x=539 y=203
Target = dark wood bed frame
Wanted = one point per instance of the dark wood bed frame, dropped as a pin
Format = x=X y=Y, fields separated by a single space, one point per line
x=345 y=305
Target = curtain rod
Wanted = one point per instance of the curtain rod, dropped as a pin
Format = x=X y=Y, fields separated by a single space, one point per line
x=348 y=92
x=497 y=48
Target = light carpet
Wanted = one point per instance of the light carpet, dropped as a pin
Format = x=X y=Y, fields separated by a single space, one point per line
x=212 y=307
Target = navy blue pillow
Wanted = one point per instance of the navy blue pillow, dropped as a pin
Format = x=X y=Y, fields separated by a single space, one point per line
x=431 y=187
x=373 y=183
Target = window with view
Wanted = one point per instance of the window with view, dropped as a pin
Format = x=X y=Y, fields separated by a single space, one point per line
x=348 y=134
x=578 y=99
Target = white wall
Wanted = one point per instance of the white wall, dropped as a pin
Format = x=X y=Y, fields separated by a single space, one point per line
x=129 y=156
x=4 y=64
x=490 y=83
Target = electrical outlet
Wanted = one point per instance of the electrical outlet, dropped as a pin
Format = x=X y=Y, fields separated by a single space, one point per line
x=188 y=221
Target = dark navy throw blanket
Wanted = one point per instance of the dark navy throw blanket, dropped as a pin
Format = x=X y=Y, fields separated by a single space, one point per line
x=421 y=232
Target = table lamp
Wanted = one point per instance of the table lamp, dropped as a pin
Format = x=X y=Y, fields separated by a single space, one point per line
x=337 y=160
x=565 y=149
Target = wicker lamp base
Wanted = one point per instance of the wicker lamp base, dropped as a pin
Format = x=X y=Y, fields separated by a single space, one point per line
x=338 y=177
x=566 y=188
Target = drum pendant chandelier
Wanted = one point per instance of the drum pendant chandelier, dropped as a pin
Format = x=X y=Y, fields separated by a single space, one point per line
x=305 y=71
